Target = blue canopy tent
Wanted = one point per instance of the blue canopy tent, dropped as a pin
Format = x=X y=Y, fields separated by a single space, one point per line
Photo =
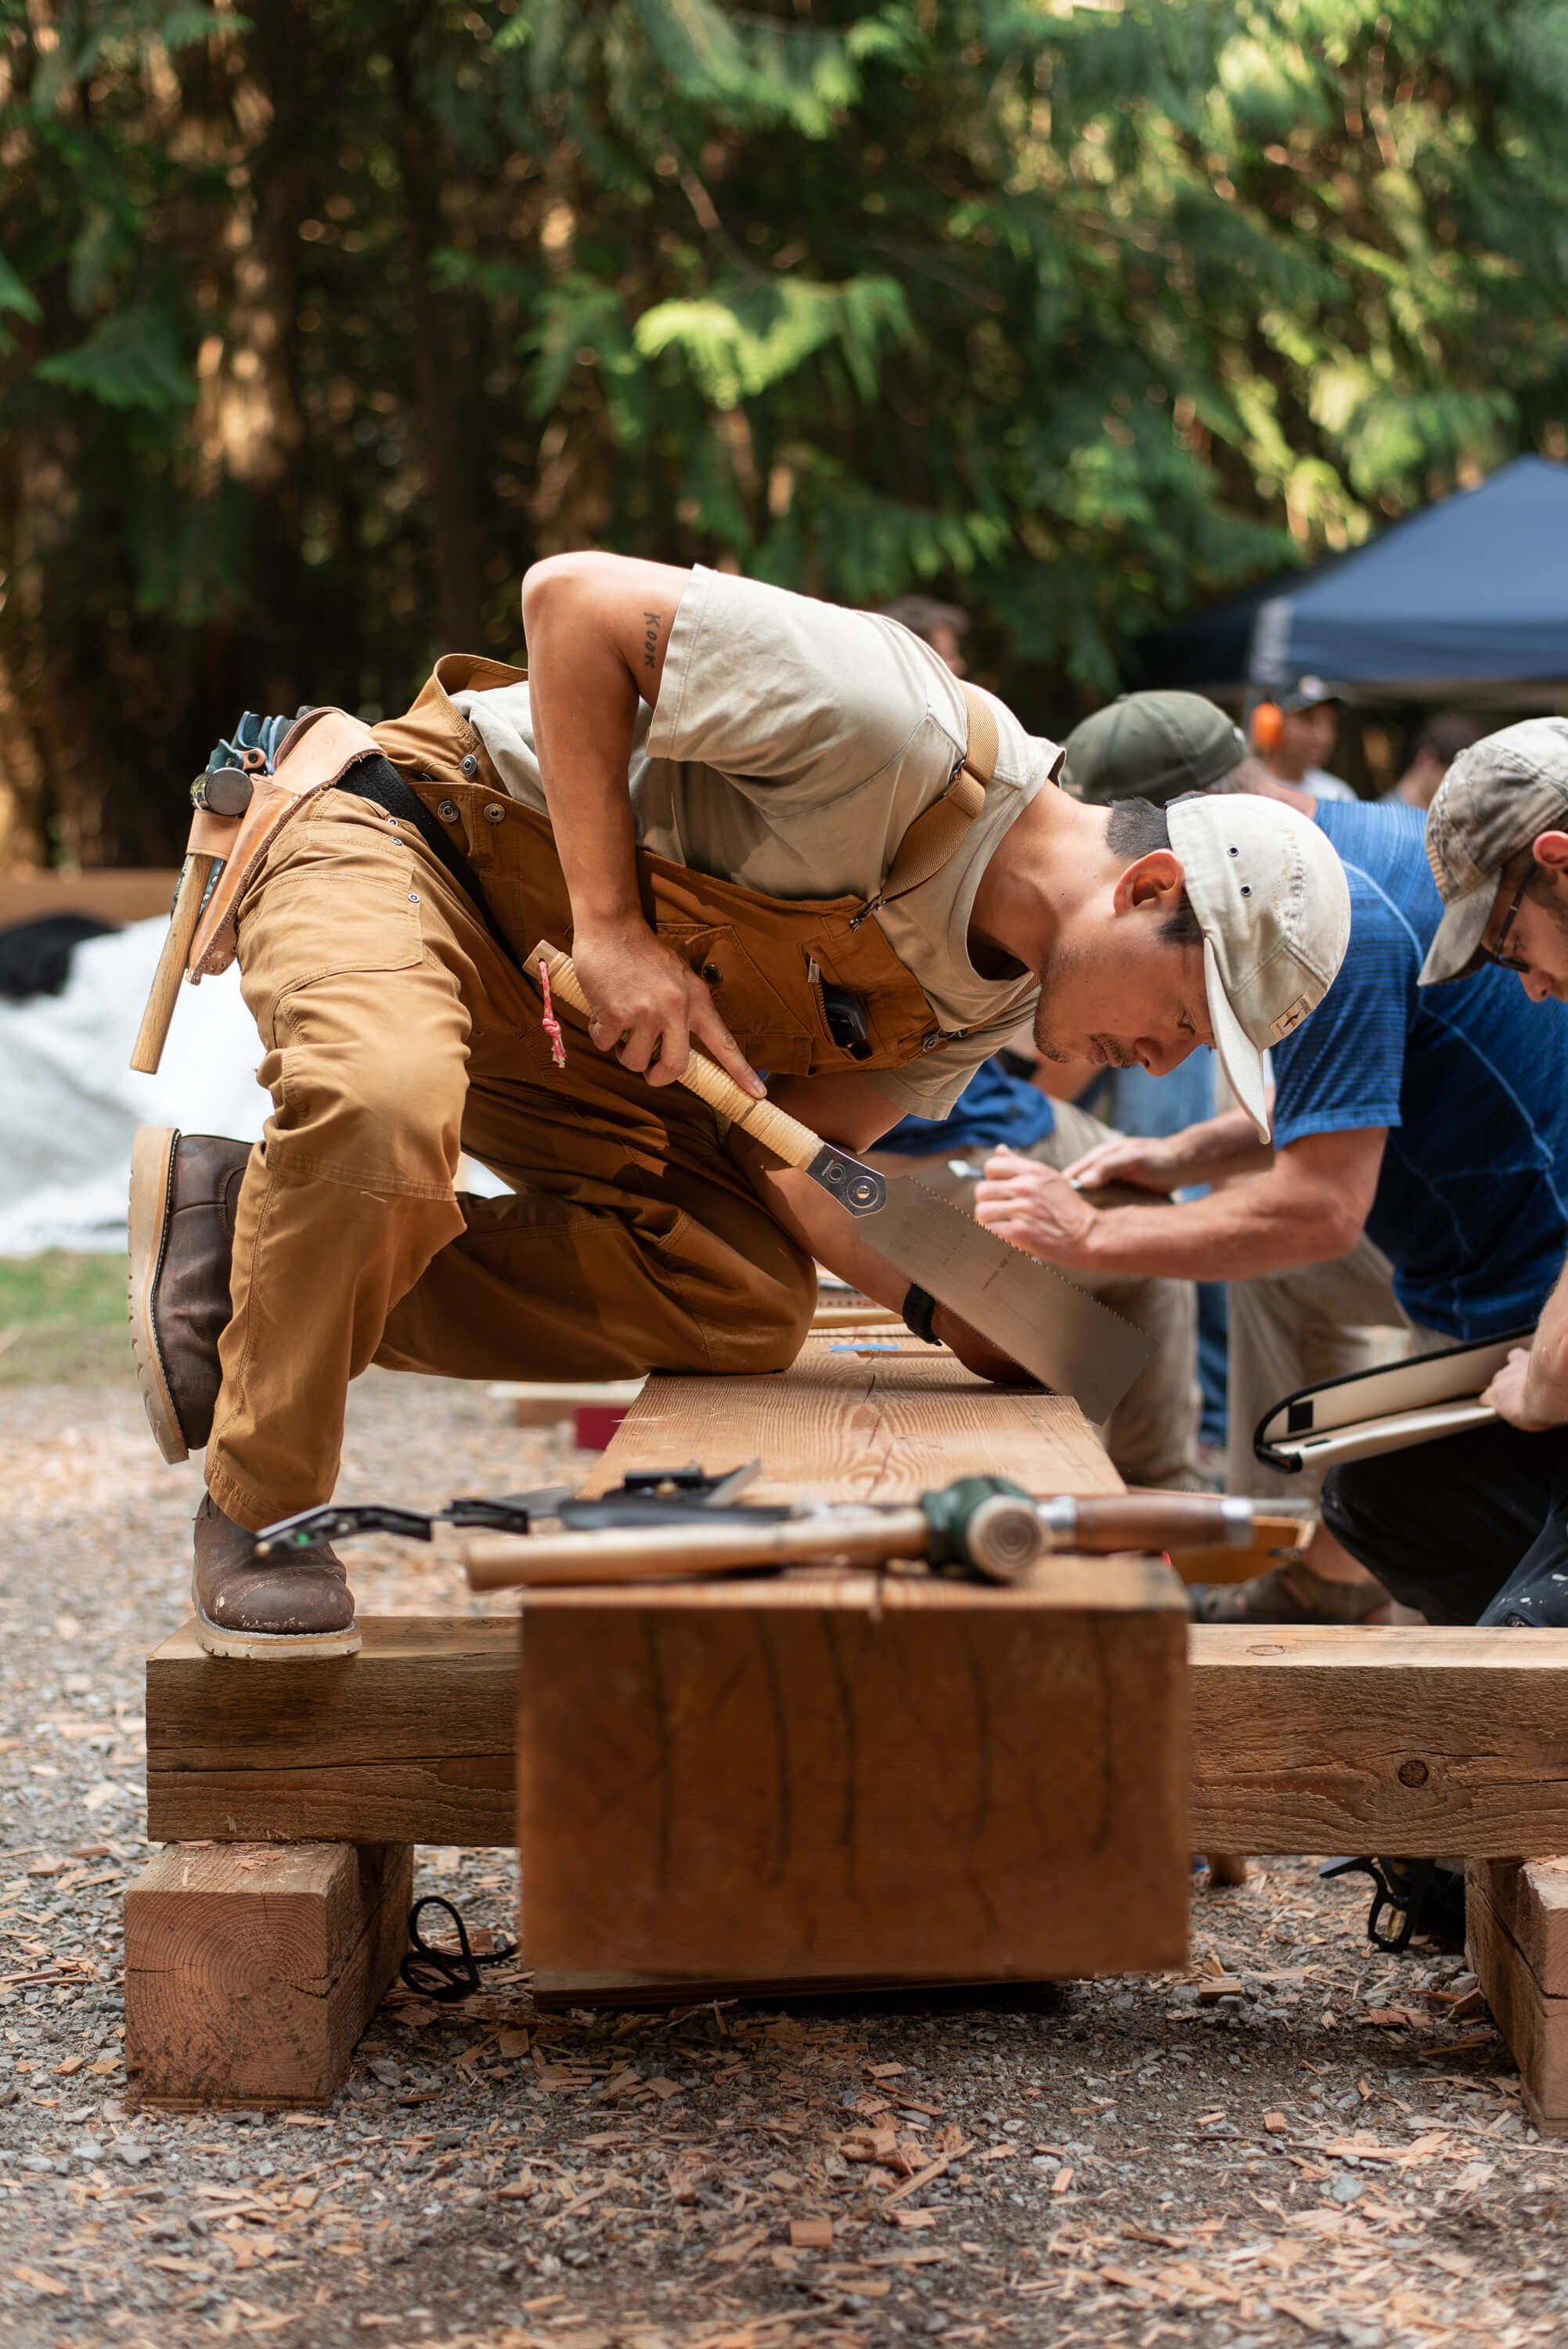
x=1465 y=604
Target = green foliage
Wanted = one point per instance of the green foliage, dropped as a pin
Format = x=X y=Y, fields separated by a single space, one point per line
x=317 y=327
x=738 y=347
x=58 y=1290
x=130 y=359
x=62 y=1320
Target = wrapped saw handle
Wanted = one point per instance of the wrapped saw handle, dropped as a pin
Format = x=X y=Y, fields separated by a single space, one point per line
x=773 y=1127
x=1102 y=1523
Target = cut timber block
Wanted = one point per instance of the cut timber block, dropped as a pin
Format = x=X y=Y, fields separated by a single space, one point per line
x=545 y=1403
x=1516 y=1930
x=836 y=1779
x=252 y=1970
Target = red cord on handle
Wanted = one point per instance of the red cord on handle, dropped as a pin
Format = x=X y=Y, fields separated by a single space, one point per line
x=551 y=1024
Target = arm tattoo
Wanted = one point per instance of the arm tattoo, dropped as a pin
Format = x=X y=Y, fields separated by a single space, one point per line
x=653 y=623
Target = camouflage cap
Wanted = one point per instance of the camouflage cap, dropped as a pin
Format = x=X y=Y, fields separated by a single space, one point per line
x=1496 y=798
x=1150 y=746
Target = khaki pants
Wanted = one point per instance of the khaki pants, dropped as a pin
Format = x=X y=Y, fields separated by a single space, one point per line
x=1290 y=1329
x=1152 y=1434
x=396 y=1034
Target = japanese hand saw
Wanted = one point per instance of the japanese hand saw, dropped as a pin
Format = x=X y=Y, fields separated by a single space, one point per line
x=1067 y=1339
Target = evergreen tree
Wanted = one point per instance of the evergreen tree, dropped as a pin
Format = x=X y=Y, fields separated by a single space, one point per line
x=319 y=322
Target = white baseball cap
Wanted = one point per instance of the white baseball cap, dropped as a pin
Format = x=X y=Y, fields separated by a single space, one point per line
x=1273 y=903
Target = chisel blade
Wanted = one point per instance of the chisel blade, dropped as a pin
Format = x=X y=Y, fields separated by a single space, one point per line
x=1068 y=1340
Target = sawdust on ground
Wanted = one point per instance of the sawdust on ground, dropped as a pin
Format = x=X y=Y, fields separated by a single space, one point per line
x=1297 y=2140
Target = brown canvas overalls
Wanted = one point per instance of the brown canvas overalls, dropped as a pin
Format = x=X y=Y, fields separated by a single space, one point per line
x=398 y=1034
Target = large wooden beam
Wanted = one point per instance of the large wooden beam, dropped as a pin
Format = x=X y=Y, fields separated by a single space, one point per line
x=854 y=1778
x=412 y=1741
x=843 y=1779
x=1415 y=1741
x=251 y=1971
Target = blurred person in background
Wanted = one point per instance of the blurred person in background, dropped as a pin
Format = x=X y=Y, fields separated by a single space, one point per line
x=1023 y=1103
x=942 y=626
x=1434 y=749
x=1293 y=736
x=1472 y=1529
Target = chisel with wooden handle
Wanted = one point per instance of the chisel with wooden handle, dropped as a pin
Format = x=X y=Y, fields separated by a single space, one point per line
x=981 y=1528
x=1067 y=1339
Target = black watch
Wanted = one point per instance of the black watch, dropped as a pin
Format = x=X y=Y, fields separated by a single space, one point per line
x=919 y=1306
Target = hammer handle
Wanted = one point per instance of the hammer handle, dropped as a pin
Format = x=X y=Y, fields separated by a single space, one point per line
x=774 y=1128
x=857 y=1536
x=153 y=1032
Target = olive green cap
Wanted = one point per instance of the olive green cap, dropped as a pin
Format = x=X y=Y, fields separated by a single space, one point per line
x=1150 y=746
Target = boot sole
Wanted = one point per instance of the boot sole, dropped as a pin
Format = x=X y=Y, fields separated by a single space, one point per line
x=151 y=1187
x=273 y=1647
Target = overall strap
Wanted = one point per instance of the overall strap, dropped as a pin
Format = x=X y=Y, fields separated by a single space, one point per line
x=377 y=779
x=934 y=836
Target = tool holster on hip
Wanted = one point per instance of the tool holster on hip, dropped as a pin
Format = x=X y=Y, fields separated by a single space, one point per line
x=317 y=751
x=225 y=853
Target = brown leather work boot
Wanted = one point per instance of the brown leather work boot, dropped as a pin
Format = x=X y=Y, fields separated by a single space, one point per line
x=184 y=1188
x=293 y=1607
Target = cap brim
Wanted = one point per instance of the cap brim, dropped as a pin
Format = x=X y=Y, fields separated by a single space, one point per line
x=1456 y=949
x=1240 y=1058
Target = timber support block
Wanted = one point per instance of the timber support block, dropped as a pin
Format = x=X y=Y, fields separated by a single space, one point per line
x=251 y=1970
x=1516 y=1931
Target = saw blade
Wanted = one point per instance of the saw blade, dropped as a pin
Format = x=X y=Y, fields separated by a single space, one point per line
x=1067 y=1338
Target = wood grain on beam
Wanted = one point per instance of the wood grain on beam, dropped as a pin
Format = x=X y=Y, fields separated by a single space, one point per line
x=1410 y=1740
x=858 y=1426
x=409 y=1741
x=838 y=1779
x=1530 y=1899
x=1299 y=1740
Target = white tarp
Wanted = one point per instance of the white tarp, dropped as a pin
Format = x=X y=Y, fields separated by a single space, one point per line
x=69 y=1102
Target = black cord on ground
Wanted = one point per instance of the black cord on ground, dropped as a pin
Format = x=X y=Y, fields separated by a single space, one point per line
x=446 y=1975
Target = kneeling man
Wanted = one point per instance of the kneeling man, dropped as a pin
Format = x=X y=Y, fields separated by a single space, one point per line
x=778 y=831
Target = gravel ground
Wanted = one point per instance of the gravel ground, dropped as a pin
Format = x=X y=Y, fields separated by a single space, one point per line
x=1333 y=2150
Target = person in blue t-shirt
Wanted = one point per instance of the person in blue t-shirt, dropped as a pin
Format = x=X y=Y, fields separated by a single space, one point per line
x=1413 y=1178
x=1152 y=1434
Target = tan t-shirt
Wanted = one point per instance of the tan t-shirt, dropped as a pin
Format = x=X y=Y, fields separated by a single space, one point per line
x=793 y=745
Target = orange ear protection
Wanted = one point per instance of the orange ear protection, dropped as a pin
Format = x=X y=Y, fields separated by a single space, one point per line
x=1266 y=725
